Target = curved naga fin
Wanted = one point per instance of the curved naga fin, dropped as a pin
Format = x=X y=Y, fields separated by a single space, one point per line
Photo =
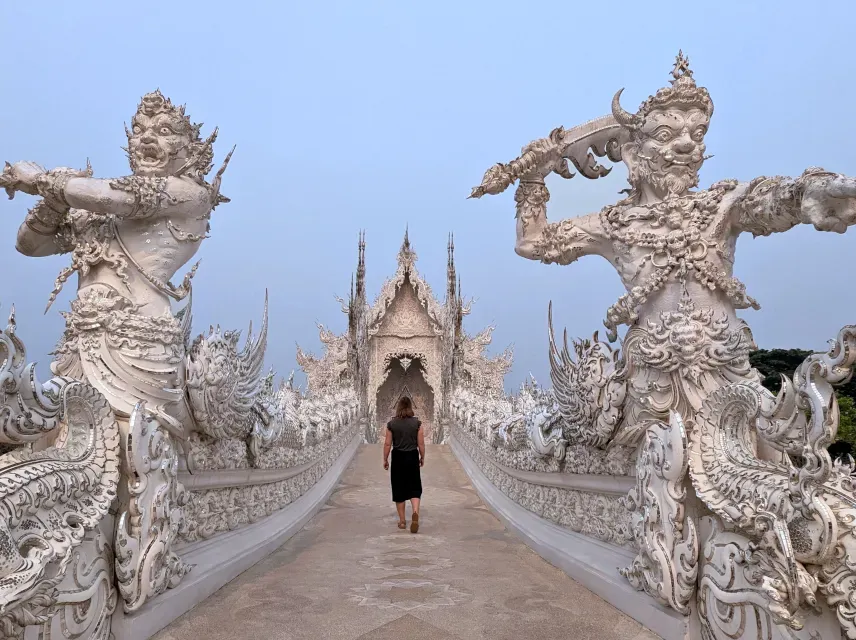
x=667 y=564
x=29 y=409
x=146 y=565
x=223 y=383
x=589 y=391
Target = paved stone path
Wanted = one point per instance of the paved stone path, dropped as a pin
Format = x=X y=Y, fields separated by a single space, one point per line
x=352 y=574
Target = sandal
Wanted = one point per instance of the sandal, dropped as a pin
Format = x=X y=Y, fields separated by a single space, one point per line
x=414 y=524
x=402 y=525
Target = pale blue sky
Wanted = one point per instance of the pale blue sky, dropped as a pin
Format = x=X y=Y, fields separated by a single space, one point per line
x=373 y=115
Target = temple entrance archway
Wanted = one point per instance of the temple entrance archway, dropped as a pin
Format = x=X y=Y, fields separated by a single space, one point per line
x=406 y=377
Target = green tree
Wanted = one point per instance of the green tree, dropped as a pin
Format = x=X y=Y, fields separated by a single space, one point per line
x=847 y=423
x=773 y=363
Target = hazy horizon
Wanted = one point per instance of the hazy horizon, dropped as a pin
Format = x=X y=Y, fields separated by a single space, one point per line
x=379 y=115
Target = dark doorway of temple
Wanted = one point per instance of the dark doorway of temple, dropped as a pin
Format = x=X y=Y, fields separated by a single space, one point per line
x=406 y=378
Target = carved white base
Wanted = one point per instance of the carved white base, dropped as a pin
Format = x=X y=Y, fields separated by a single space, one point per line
x=592 y=563
x=223 y=501
x=584 y=503
x=218 y=560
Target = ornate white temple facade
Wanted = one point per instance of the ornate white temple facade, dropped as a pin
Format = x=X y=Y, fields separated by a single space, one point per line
x=406 y=343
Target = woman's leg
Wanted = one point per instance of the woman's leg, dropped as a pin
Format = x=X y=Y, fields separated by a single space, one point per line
x=399 y=506
x=414 y=519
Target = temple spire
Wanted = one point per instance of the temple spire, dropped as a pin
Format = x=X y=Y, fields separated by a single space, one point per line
x=459 y=312
x=450 y=271
x=406 y=255
x=405 y=245
x=361 y=267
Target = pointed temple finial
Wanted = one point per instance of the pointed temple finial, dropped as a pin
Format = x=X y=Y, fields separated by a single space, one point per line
x=450 y=270
x=681 y=68
x=406 y=255
x=361 y=266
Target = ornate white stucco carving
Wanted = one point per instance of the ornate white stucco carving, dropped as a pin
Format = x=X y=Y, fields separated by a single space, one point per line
x=526 y=432
x=387 y=350
x=776 y=517
x=29 y=409
x=803 y=524
x=213 y=511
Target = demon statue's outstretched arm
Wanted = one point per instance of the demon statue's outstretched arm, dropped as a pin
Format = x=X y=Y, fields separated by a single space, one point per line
x=129 y=197
x=775 y=204
x=560 y=242
x=565 y=241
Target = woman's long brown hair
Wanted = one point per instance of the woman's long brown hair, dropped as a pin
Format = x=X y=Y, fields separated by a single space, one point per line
x=404 y=408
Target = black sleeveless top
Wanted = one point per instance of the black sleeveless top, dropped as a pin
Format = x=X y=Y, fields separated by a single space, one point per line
x=405 y=432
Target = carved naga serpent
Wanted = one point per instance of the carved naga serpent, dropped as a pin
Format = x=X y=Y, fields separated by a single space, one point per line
x=801 y=520
x=52 y=501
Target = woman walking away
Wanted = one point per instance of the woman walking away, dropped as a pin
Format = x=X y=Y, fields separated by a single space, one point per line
x=407 y=441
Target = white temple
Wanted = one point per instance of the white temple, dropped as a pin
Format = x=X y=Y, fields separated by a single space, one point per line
x=407 y=343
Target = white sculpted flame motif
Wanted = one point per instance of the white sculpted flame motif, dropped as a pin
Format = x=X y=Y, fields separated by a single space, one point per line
x=483 y=374
x=779 y=535
x=590 y=391
x=223 y=383
x=328 y=371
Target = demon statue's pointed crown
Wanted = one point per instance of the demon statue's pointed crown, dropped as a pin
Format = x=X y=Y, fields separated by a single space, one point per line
x=683 y=93
x=156 y=103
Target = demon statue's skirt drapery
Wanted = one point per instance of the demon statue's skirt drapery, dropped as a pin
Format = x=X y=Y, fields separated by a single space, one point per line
x=126 y=355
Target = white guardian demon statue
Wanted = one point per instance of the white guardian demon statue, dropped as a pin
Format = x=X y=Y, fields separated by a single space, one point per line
x=127 y=238
x=743 y=522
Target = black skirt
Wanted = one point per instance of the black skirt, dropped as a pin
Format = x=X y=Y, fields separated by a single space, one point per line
x=404 y=475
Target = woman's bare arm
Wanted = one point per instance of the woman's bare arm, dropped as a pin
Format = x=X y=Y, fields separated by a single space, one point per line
x=387 y=447
x=420 y=441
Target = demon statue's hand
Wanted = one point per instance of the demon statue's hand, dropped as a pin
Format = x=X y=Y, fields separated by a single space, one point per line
x=21 y=176
x=537 y=160
x=547 y=156
x=829 y=201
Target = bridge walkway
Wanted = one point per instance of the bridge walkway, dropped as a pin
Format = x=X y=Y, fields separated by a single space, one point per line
x=352 y=574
